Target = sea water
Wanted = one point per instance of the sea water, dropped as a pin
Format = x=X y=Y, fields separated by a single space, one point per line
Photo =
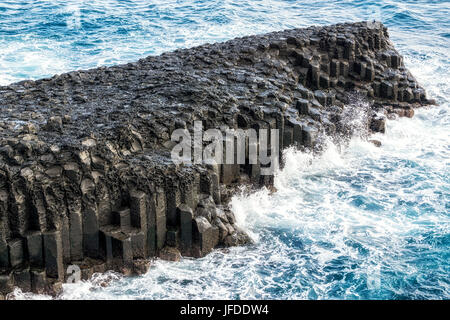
x=357 y=222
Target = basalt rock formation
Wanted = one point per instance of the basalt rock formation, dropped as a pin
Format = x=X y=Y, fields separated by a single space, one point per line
x=86 y=176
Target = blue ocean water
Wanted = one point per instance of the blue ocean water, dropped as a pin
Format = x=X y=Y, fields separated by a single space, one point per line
x=355 y=223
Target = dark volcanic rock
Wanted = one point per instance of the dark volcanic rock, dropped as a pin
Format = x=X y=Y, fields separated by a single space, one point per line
x=86 y=176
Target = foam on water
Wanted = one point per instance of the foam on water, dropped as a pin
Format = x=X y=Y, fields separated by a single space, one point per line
x=356 y=222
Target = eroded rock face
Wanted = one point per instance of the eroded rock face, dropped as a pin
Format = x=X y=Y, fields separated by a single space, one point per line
x=86 y=176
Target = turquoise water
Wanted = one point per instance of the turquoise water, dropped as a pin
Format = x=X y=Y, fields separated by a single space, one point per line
x=355 y=223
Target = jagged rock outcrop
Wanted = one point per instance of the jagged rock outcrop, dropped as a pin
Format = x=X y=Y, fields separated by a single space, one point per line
x=86 y=176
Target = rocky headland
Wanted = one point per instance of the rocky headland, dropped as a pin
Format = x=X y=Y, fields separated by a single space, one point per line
x=86 y=176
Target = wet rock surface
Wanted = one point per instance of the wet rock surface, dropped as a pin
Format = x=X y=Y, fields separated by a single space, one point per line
x=86 y=176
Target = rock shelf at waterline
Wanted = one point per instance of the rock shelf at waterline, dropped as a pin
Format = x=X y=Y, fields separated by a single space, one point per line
x=86 y=175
